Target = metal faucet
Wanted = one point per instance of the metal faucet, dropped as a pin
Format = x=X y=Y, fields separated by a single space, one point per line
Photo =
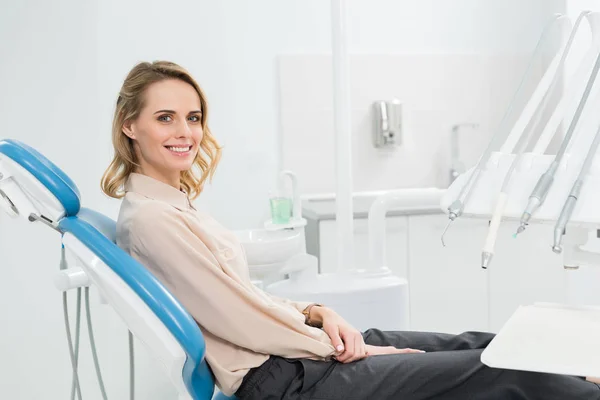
x=456 y=166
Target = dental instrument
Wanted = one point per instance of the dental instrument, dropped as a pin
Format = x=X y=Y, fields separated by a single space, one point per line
x=524 y=140
x=567 y=211
x=456 y=208
x=527 y=341
x=541 y=189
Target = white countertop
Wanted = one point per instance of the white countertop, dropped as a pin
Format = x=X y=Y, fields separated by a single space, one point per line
x=419 y=201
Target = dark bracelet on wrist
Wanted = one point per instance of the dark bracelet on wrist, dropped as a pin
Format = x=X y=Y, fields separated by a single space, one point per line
x=306 y=313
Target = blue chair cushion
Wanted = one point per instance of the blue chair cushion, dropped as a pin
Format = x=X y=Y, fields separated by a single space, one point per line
x=106 y=226
x=196 y=374
x=55 y=180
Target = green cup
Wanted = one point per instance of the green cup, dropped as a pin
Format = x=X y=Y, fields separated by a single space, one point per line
x=281 y=210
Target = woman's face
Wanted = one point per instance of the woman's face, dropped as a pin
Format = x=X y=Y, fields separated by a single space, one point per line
x=167 y=133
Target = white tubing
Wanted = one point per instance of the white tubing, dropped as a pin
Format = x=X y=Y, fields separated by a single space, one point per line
x=377 y=241
x=377 y=219
x=534 y=101
x=588 y=126
x=343 y=138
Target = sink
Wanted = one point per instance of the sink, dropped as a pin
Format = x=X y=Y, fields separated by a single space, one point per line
x=265 y=248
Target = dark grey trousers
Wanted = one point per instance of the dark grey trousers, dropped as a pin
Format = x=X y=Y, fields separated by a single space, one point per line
x=450 y=370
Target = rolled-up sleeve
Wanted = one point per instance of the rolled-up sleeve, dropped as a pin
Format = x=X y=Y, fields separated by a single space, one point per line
x=298 y=305
x=220 y=303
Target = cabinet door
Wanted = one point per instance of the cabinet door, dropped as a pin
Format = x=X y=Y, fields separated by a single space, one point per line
x=524 y=271
x=396 y=245
x=448 y=287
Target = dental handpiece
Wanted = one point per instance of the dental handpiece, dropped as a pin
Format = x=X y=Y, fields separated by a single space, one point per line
x=455 y=209
x=541 y=189
x=569 y=206
x=490 y=242
x=525 y=139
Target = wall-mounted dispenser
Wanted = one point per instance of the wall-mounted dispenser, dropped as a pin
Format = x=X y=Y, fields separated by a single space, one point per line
x=388 y=123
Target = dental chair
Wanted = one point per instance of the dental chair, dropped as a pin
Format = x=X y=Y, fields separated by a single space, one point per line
x=34 y=188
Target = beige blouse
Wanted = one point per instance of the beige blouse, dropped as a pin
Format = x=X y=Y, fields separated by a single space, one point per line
x=205 y=268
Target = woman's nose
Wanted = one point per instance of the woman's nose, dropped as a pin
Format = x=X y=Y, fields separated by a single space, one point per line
x=184 y=130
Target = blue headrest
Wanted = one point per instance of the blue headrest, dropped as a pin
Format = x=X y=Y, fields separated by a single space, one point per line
x=49 y=175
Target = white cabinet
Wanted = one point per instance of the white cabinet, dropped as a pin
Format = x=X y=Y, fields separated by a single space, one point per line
x=524 y=271
x=448 y=289
x=451 y=292
x=396 y=245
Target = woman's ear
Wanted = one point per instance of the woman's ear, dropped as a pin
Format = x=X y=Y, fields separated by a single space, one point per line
x=128 y=129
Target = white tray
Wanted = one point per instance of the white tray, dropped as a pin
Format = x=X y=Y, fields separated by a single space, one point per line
x=550 y=338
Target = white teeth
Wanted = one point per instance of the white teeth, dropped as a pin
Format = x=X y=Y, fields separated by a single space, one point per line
x=178 y=149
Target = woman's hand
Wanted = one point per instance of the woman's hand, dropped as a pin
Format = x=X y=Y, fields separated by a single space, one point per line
x=379 y=350
x=347 y=340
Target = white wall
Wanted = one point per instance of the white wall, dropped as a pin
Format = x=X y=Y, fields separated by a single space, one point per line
x=447 y=63
x=61 y=64
x=574 y=7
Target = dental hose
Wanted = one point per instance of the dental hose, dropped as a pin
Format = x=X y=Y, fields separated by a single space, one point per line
x=571 y=201
x=488 y=249
x=77 y=336
x=541 y=189
x=71 y=351
x=131 y=368
x=455 y=209
x=93 y=343
x=74 y=349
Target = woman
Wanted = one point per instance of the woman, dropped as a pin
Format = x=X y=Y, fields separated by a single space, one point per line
x=257 y=345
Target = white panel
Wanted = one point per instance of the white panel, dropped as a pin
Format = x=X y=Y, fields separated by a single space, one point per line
x=447 y=285
x=436 y=90
x=396 y=239
x=524 y=271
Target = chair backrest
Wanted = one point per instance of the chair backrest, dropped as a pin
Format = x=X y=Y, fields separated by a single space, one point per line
x=149 y=310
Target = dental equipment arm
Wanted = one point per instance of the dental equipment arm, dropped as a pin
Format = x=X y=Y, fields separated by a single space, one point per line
x=573 y=92
x=571 y=201
x=541 y=189
x=524 y=123
x=455 y=209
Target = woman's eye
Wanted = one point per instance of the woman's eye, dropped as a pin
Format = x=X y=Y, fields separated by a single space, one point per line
x=195 y=118
x=164 y=118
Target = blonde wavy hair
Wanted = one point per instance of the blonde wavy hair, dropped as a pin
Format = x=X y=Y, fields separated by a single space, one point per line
x=129 y=105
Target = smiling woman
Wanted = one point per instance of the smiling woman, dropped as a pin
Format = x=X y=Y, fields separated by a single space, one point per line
x=160 y=130
x=260 y=346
